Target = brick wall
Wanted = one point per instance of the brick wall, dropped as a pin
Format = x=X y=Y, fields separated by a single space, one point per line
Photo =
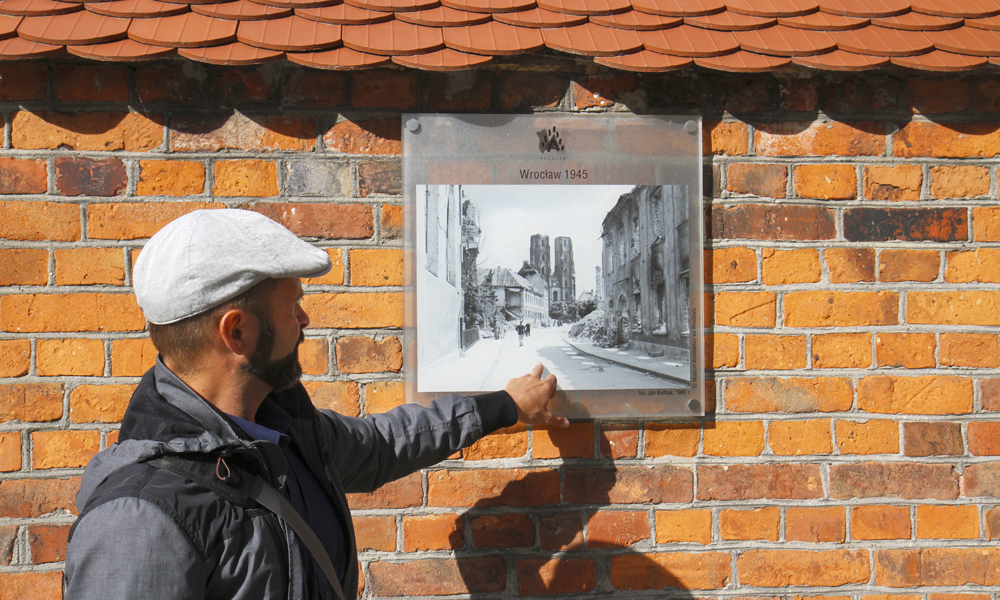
x=853 y=266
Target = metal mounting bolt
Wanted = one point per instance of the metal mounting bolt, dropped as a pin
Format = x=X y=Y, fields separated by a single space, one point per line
x=691 y=127
x=413 y=125
x=694 y=405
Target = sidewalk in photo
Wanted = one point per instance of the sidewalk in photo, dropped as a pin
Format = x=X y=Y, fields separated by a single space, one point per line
x=671 y=367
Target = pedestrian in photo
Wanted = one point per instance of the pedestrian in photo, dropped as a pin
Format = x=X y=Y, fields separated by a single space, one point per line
x=520 y=334
x=527 y=330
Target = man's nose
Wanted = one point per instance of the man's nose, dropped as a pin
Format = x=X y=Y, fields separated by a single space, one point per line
x=302 y=316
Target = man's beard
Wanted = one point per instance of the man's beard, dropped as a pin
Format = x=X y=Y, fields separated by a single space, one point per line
x=281 y=373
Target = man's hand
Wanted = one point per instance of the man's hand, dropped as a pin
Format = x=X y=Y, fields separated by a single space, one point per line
x=531 y=393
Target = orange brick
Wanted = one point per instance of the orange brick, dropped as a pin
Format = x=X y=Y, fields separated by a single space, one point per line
x=31 y=586
x=510 y=442
x=376 y=267
x=137 y=221
x=960 y=182
x=99 y=403
x=15 y=358
x=433 y=532
x=90 y=266
x=958 y=597
x=757 y=524
x=314 y=356
x=979 y=265
x=979 y=350
x=826 y=181
x=820 y=138
x=953 y=308
x=782 y=267
x=112 y=437
x=63 y=449
x=10 y=451
x=850 y=265
x=928 y=395
x=365 y=355
x=99 y=131
x=730 y=265
x=39 y=221
x=31 y=402
x=745 y=309
x=725 y=138
x=813 y=524
x=840 y=309
x=766 y=180
x=70 y=357
x=383 y=396
x=170 y=178
x=617 y=529
x=336 y=274
x=246 y=178
x=986 y=224
x=984 y=438
x=775 y=351
x=576 y=441
x=901 y=182
x=23 y=176
x=666 y=439
x=343 y=397
x=880 y=522
x=724 y=348
x=48 y=543
x=909 y=350
x=391 y=222
x=365 y=136
x=375 y=533
x=683 y=570
x=930 y=96
x=909 y=265
x=778 y=568
x=842 y=351
x=868 y=437
x=132 y=357
x=91 y=83
x=619 y=440
x=355 y=311
x=956 y=522
x=493 y=487
x=323 y=220
x=951 y=140
x=794 y=394
x=236 y=131
x=798 y=438
x=734 y=438
x=684 y=526
x=538 y=576
x=23 y=267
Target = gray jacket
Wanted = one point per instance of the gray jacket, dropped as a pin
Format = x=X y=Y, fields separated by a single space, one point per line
x=145 y=532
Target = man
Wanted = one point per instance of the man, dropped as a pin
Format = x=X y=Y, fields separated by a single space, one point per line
x=221 y=292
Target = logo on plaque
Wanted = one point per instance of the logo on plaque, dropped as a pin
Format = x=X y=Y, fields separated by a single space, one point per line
x=549 y=140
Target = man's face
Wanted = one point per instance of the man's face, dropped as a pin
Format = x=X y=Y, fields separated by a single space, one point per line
x=275 y=360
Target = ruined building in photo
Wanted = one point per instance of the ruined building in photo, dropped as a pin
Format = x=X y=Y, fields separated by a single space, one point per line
x=562 y=287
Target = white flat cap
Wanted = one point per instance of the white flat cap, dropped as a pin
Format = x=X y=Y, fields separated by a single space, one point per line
x=206 y=257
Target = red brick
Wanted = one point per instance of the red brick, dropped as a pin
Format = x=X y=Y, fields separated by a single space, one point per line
x=39 y=221
x=984 y=438
x=629 y=485
x=617 y=529
x=128 y=221
x=343 y=397
x=978 y=350
x=794 y=394
x=91 y=83
x=503 y=531
x=63 y=449
x=775 y=351
x=877 y=522
x=10 y=453
x=982 y=479
x=986 y=224
x=619 y=441
x=433 y=532
x=324 y=221
x=80 y=176
x=960 y=182
x=850 y=265
x=960 y=522
x=947 y=140
x=365 y=355
x=170 y=178
x=384 y=89
x=757 y=524
x=937 y=567
x=510 y=442
x=909 y=350
x=724 y=138
x=893 y=480
x=672 y=439
x=602 y=91
x=909 y=265
x=402 y=493
x=355 y=311
x=246 y=178
x=23 y=176
x=70 y=313
x=895 y=183
x=779 y=568
x=800 y=94
x=815 y=524
x=544 y=576
x=459 y=91
x=878 y=436
x=752 y=482
x=993 y=523
x=236 y=131
x=15 y=357
x=831 y=138
x=841 y=309
x=928 y=395
x=842 y=351
x=23 y=267
x=826 y=181
x=676 y=570
x=90 y=266
x=773 y=222
x=730 y=265
x=22 y=80
x=8 y=537
x=375 y=533
x=797 y=438
x=173 y=83
x=531 y=90
x=906 y=224
x=132 y=357
x=98 y=131
x=767 y=180
x=312 y=87
x=31 y=586
x=989 y=393
x=365 y=136
x=314 y=356
x=382 y=177
x=482 y=488
x=242 y=85
x=938 y=95
x=32 y=498
x=99 y=403
x=561 y=531
x=575 y=441
x=48 y=543
x=438 y=577
x=392 y=222
x=31 y=402
x=933 y=439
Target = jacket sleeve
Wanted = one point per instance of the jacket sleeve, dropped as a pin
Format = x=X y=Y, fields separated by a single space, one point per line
x=372 y=451
x=129 y=548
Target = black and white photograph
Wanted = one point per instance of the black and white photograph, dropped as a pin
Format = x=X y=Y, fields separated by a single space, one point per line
x=592 y=281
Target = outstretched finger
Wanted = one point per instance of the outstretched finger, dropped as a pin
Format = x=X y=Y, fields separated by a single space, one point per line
x=551 y=380
x=550 y=419
x=536 y=371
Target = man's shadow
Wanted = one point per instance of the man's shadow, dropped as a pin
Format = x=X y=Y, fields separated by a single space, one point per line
x=595 y=535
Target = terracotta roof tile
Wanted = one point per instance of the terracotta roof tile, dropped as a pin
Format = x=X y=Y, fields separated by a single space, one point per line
x=967 y=40
x=965 y=9
x=679 y=8
x=490 y=6
x=539 y=17
x=189 y=30
x=339 y=59
x=990 y=23
x=442 y=16
x=786 y=41
x=17 y=48
x=394 y=5
x=743 y=62
x=586 y=7
x=839 y=60
x=636 y=20
x=121 y=51
x=82 y=27
x=343 y=14
x=241 y=10
x=392 y=38
x=645 y=61
x=914 y=21
x=445 y=59
x=230 y=54
x=730 y=21
x=772 y=8
x=8 y=26
x=295 y=3
x=880 y=41
x=689 y=41
x=940 y=61
x=821 y=21
x=290 y=33
x=494 y=39
x=37 y=8
x=591 y=39
x=137 y=8
x=865 y=8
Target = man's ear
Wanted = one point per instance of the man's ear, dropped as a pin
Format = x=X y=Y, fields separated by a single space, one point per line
x=238 y=331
